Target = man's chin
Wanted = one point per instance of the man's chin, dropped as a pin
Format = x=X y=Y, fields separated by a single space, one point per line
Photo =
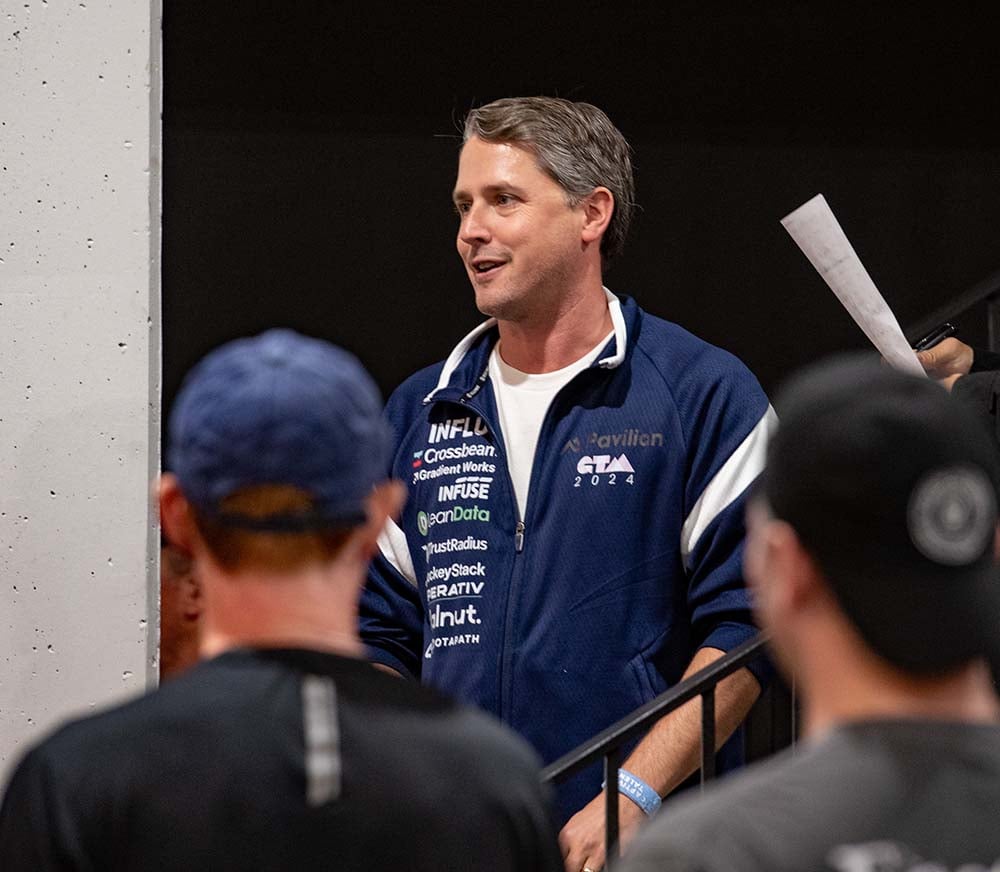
x=503 y=307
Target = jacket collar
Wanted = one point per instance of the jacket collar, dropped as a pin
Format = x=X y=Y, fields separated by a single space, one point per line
x=465 y=369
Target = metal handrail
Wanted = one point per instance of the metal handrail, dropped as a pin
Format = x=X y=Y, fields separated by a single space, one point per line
x=609 y=743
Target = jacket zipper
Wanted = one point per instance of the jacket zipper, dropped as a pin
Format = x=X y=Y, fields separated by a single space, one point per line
x=519 y=527
x=504 y=658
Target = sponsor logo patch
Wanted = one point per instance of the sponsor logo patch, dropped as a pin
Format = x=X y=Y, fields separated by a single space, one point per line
x=450 y=546
x=457 y=428
x=603 y=463
x=426 y=520
x=456 y=570
x=450 y=642
x=458 y=452
x=444 y=617
x=456 y=590
x=628 y=438
x=467 y=487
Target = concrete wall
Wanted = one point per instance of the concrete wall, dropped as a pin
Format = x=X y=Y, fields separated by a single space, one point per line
x=79 y=358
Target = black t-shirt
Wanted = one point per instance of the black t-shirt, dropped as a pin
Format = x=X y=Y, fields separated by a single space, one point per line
x=880 y=796
x=279 y=760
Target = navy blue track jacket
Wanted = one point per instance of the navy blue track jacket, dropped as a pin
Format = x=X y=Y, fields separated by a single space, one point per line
x=628 y=558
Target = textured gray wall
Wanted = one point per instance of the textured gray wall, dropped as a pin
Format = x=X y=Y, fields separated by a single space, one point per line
x=79 y=358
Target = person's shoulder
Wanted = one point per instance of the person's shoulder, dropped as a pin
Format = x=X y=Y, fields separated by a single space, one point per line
x=504 y=744
x=84 y=745
x=707 y=386
x=420 y=383
x=203 y=695
x=464 y=733
x=685 y=834
x=420 y=733
x=411 y=391
x=470 y=737
x=686 y=362
x=767 y=807
x=863 y=781
x=406 y=402
x=462 y=366
x=742 y=790
x=366 y=685
x=682 y=358
x=489 y=758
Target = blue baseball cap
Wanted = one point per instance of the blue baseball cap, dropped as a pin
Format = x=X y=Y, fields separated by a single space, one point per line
x=279 y=408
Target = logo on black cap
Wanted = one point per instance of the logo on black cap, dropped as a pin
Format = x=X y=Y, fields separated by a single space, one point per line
x=952 y=515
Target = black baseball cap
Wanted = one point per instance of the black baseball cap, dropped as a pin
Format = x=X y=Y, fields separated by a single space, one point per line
x=892 y=486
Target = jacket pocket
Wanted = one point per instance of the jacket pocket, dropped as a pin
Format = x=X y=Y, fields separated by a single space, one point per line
x=649 y=681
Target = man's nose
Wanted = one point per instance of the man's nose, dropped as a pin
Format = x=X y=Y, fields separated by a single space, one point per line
x=474 y=227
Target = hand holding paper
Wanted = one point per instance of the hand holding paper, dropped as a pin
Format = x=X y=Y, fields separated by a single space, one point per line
x=817 y=232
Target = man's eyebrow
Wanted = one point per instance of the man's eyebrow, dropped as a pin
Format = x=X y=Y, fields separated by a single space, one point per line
x=459 y=194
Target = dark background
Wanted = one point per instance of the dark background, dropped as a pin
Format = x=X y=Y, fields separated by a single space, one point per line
x=310 y=148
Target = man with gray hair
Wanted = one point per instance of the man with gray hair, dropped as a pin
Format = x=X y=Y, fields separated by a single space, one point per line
x=572 y=541
x=872 y=556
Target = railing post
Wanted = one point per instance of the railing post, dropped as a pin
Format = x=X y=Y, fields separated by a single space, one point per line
x=606 y=745
x=612 y=761
x=707 y=735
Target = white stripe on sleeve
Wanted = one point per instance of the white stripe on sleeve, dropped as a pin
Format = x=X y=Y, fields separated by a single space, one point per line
x=735 y=475
x=394 y=547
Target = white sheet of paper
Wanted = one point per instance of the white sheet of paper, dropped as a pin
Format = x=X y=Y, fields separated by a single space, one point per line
x=817 y=232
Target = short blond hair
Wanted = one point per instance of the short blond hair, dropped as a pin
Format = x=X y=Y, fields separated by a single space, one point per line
x=236 y=548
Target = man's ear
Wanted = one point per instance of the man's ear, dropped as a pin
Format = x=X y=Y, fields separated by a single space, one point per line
x=178 y=577
x=192 y=600
x=799 y=579
x=598 y=207
x=175 y=514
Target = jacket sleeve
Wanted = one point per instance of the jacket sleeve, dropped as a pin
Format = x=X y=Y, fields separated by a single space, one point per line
x=391 y=609
x=981 y=391
x=727 y=439
x=984 y=361
x=391 y=612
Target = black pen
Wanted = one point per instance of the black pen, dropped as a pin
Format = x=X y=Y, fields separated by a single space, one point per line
x=934 y=337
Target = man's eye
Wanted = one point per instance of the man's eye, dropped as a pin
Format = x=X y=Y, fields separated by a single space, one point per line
x=504 y=199
x=461 y=208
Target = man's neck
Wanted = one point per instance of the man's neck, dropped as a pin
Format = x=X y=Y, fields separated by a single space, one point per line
x=844 y=693
x=315 y=609
x=179 y=654
x=555 y=339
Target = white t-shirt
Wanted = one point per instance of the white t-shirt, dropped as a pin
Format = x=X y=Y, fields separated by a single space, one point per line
x=522 y=401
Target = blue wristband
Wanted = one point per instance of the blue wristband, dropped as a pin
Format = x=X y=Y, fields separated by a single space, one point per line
x=638 y=791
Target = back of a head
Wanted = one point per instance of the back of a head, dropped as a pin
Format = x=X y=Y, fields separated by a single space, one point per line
x=891 y=486
x=575 y=143
x=276 y=442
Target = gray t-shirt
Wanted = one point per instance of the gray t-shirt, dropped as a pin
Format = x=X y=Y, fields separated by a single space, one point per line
x=881 y=796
